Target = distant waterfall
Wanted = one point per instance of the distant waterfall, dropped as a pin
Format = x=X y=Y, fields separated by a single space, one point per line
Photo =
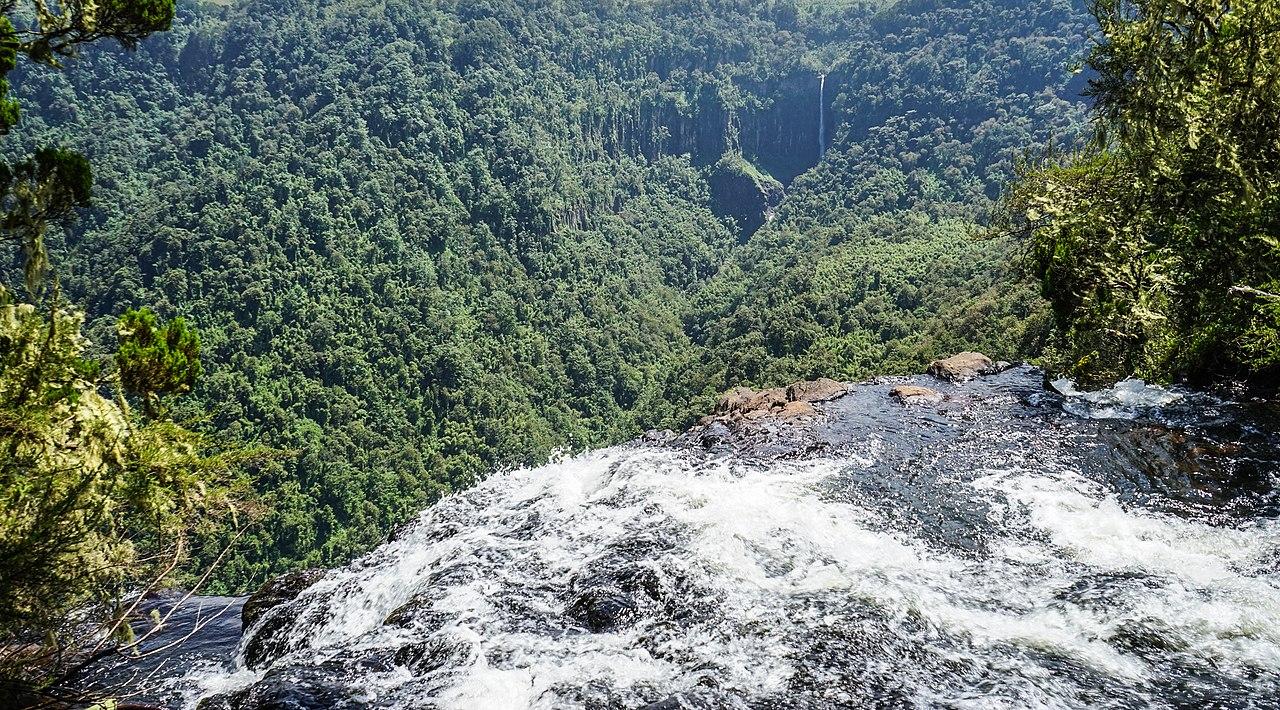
x=822 y=114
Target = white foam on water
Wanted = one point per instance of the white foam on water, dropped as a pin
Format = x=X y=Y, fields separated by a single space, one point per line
x=207 y=678
x=1127 y=399
x=1203 y=592
x=762 y=542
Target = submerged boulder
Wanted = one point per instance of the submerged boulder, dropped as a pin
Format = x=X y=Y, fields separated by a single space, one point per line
x=423 y=657
x=318 y=688
x=601 y=610
x=659 y=436
x=281 y=590
x=715 y=433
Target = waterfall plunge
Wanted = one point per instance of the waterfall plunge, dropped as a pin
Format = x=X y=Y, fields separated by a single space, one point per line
x=1005 y=548
x=822 y=114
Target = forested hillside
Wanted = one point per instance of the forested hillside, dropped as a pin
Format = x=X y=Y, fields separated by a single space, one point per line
x=424 y=240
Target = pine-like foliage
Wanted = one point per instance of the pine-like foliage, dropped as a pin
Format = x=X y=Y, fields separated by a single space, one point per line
x=96 y=502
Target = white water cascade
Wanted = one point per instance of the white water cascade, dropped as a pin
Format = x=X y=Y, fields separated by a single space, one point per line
x=822 y=114
x=994 y=551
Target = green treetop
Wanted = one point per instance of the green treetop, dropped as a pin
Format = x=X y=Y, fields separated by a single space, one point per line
x=1159 y=246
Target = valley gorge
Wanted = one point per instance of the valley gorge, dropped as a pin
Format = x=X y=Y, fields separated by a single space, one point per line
x=640 y=354
x=421 y=243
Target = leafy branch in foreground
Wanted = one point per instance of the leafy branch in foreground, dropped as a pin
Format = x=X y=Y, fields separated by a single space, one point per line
x=1158 y=245
x=156 y=359
x=97 y=503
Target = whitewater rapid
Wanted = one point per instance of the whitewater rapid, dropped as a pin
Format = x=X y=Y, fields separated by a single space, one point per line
x=997 y=551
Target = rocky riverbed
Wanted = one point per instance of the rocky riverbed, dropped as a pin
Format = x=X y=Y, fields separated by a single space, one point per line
x=968 y=538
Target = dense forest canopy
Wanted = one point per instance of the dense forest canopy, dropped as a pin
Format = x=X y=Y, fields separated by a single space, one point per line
x=424 y=240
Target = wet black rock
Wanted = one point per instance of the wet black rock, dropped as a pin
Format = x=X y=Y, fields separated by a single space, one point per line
x=715 y=433
x=604 y=609
x=297 y=689
x=268 y=642
x=267 y=616
x=671 y=703
x=617 y=590
x=432 y=655
x=275 y=592
x=700 y=699
x=418 y=613
x=659 y=436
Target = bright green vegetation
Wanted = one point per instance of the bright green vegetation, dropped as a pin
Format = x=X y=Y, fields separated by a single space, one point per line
x=425 y=240
x=1159 y=245
x=97 y=500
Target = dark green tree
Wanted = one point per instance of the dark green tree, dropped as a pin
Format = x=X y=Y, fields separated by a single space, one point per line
x=156 y=359
x=1159 y=245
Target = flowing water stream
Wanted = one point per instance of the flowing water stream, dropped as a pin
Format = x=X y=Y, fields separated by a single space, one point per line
x=1009 y=548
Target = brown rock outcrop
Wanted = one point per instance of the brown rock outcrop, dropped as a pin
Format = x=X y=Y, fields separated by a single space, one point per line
x=792 y=402
x=914 y=394
x=962 y=367
x=741 y=400
x=819 y=390
x=794 y=410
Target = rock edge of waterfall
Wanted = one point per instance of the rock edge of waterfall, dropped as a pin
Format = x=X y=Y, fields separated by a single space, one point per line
x=946 y=492
x=744 y=415
x=743 y=418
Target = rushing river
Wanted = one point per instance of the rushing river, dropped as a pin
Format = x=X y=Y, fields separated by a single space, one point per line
x=1008 y=548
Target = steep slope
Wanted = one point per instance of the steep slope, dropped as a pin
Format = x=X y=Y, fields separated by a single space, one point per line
x=425 y=240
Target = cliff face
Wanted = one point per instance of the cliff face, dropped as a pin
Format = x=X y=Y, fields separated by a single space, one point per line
x=777 y=129
x=743 y=192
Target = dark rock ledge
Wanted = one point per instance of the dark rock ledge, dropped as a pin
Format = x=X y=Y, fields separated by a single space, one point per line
x=780 y=422
x=787 y=421
x=277 y=591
